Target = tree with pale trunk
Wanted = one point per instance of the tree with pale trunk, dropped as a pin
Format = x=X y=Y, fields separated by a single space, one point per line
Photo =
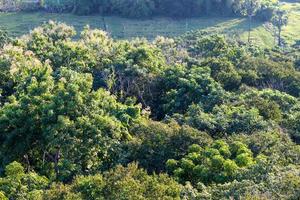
x=279 y=20
x=249 y=8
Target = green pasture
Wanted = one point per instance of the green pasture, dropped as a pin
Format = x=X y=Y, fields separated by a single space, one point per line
x=18 y=24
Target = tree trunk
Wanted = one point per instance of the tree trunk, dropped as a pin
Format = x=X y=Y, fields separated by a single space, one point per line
x=27 y=163
x=207 y=6
x=104 y=24
x=279 y=36
x=56 y=160
x=249 y=28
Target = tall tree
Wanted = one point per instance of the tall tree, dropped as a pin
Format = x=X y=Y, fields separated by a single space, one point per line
x=249 y=8
x=279 y=20
x=58 y=120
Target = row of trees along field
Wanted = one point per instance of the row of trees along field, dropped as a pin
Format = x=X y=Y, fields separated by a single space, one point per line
x=174 y=8
x=194 y=117
x=147 y=8
x=264 y=10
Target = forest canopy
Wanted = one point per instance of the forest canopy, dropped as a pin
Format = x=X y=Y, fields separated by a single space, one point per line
x=193 y=117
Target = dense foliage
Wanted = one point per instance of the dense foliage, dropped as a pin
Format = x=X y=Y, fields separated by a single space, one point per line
x=194 y=117
x=173 y=8
x=218 y=163
x=145 y=8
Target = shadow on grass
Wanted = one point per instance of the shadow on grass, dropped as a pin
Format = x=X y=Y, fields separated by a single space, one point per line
x=18 y=24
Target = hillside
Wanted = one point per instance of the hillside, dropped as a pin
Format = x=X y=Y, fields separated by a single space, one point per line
x=195 y=118
x=18 y=24
x=156 y=109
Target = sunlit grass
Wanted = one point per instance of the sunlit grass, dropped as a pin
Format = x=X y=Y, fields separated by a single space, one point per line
x=21 y=23
x=292 y=31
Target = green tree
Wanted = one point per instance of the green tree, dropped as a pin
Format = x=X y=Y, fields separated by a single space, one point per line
x=249 y=8
x=156 y=142
x=46 y=118
x=225 y=119
x=183 y=86
x=4 y=38
x=279 y=20
x=218 y=163
x=224 y=72
x=133 y=183
x=20 y=185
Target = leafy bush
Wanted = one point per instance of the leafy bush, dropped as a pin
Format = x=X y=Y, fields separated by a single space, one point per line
x=225 y=120
x=121 y=183
x=156 y=142
x=20 y=185
x=218 y=163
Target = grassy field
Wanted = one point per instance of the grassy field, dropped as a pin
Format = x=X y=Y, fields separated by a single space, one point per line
x=21 y=23
x=292 y=32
